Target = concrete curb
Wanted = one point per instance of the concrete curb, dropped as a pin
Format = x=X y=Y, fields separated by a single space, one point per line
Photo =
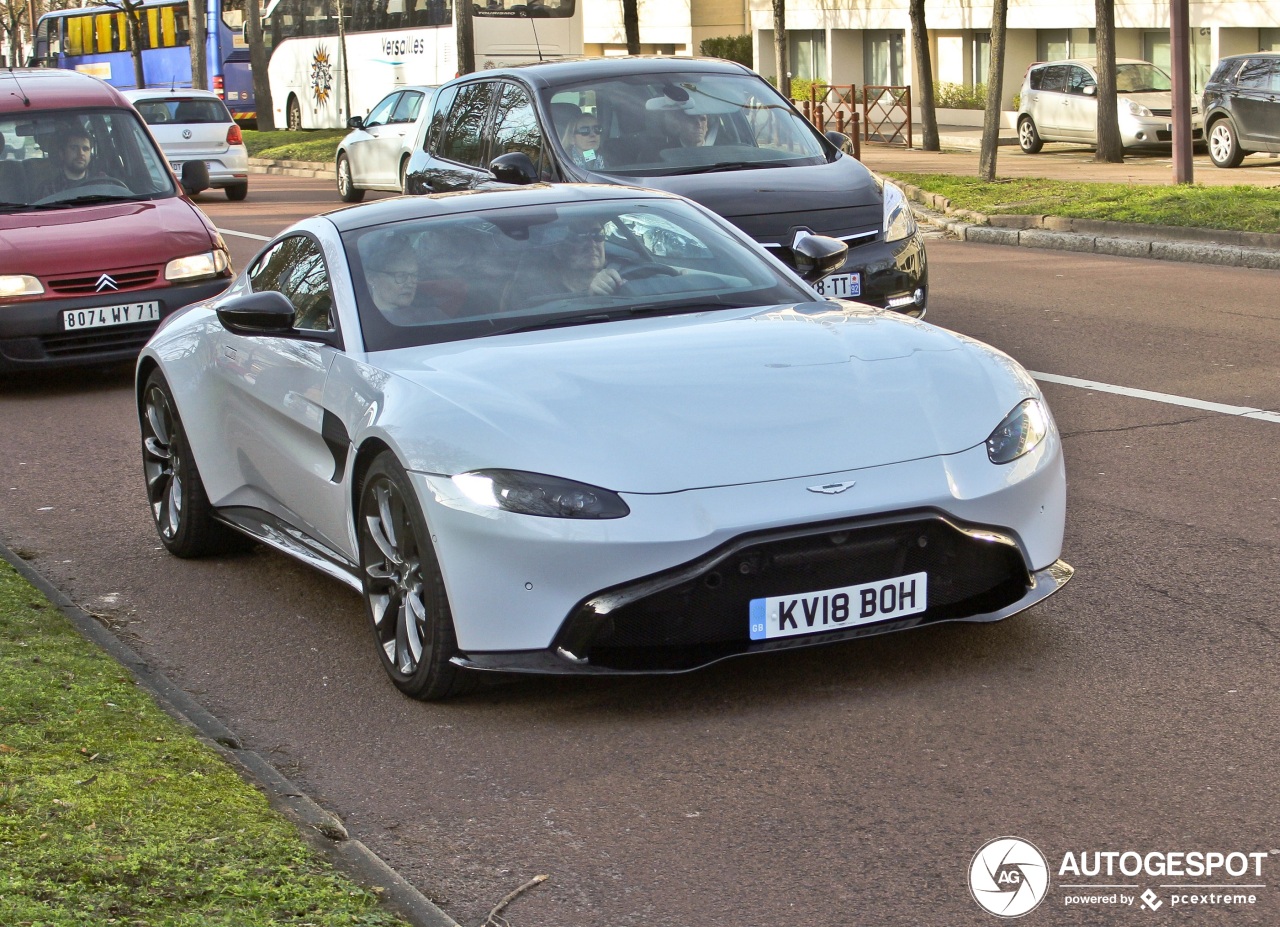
x=293 y=168
x=1121 y=239
x=322 y=830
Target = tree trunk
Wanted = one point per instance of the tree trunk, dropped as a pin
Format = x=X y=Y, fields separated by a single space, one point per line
x=924 y=69
x=1109 y=146
x=133 y=22
x=631 y=25
x=266 y=116
x=197 y=11
x=995 y=90
x=466 y=36
x=780 y=47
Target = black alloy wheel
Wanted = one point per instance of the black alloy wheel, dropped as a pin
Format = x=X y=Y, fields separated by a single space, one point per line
x=179 y=505
x=403 y=588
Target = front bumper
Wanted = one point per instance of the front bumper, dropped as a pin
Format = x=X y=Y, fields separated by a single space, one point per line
x=894 y=275
x=32 y=334
x=1153 y=131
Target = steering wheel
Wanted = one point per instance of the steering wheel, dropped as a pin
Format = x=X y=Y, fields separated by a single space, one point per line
x=642 y=271
x=105 y=179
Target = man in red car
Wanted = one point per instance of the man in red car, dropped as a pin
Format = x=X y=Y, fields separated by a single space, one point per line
x=72 y=156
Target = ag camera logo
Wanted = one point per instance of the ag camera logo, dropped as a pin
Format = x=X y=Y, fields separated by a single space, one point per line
x=1008 y=877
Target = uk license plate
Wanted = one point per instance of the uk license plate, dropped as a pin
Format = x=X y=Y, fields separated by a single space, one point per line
x=103 y=316
x=839 y=286
x=834 y=609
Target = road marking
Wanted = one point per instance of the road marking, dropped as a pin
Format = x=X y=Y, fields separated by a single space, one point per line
x=1167 y=398
x=246 y=235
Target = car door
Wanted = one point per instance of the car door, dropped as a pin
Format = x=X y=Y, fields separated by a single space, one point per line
x=1080 y=108
x=1051 y=101
x=458 y=149
x=1256 y=106
x=274 y=421
x=374 y=144
x=400 y=129
x=515 y=127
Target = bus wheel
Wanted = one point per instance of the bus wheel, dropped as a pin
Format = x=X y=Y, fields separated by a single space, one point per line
x=295 y=115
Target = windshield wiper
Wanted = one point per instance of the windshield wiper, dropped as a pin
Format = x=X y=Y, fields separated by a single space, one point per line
x=561 y=321
x=92 y=198
x=735 y=166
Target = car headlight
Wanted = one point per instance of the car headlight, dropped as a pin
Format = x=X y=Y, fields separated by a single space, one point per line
x=210 y=264
x=899 y=221
x=539 y=494
x=12 y=285
x=1135 y=109
x=1020 y=432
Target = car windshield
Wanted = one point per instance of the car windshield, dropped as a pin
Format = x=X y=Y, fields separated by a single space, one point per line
x=182 y=110
x=64 y=158
x=661 y=124
x=438 y=279
x=1141 y=78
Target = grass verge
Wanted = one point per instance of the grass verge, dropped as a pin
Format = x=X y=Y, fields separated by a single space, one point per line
x=113 y=813
x=311 y=145
x=1238 y=208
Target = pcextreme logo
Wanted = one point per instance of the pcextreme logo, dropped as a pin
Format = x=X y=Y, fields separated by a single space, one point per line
x=1008 y=877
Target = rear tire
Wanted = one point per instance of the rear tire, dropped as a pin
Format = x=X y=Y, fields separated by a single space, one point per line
x=346 y=186
x=1028 y=136
x=403 y=587
x=294 y=117
x=237 y=191
x=404 y=171
x=1224 y=144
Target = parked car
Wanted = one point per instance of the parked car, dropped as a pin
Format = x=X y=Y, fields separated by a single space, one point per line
x=374 y=155
x=195 y=125
x=97 y=241
x=745 y=153
x=595 y=429
x=1242 y=107
x=1059 y=103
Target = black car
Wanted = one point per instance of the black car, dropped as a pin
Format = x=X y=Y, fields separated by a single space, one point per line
x=711 y=130
x=1242 y=107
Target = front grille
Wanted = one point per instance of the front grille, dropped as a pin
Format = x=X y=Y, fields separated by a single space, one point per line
x=87 y=285
x=699 y=612
x=1168 y=113
x=94 y=341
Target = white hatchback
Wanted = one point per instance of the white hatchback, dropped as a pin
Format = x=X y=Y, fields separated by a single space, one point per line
x=1059 y=103
x=195 y=125
x=374 y=155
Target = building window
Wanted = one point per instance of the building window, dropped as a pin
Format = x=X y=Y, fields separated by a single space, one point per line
x=1269 y=40
x=882 y=49
x=981 y=57
x=1058 y=44
x=808 y=53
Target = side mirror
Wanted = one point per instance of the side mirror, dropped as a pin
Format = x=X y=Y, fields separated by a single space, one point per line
x=1090 y=90
x=265 y=313
x=355 y=122
x=514 y=167
x=840 y=140
x=817 y=255
x=195 y=177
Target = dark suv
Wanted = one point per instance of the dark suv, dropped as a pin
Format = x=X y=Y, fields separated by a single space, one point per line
x=710 y=130
x=1242 y=107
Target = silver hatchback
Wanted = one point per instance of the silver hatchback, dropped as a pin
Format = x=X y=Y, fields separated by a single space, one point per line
x=375 y=153
x=1059 y=103
x=195 y=125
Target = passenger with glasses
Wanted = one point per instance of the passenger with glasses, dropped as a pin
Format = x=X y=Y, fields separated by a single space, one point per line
x=393 y=284
x=580 y=137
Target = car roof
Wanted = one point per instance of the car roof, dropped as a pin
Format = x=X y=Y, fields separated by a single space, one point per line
x=400 y=208
x=52 y=88
x=1089 y=62
x=1257 y=54
x=573 y=70
x=152 y=93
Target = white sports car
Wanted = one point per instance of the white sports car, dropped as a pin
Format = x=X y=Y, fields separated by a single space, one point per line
x=579 y=429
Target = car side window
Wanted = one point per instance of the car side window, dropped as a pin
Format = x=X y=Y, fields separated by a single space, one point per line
x=515 y=125
x=1259 y=74
x=381 y=114
x=295 y=267
x=1054 y=79
x=407 y=107
x=440 y=108
x=1078 y=79
x=461 y=138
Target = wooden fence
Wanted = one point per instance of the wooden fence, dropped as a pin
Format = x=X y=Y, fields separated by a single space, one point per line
x=878 y=113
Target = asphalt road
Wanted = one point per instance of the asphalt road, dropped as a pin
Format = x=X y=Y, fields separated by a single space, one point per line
x=1137 y=711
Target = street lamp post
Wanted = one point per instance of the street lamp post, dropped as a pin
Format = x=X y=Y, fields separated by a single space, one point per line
x=1180 y=61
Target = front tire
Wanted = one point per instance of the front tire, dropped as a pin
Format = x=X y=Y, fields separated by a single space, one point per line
x=1028 y=136
x=294 y=117
x=403 y=588
x=180 y=507
x=1224 y=144
x=346 y=186
x=237 y=192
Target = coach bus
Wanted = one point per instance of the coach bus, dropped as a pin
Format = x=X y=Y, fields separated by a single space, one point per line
x=96 y=40
x=319 y=79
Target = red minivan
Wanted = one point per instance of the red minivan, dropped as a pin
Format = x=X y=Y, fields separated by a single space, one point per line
x=98 y=242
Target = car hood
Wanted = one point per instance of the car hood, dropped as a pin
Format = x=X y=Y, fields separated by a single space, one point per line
x=723 y=398
x=1157 y=99
x=105 y=236
x=837 y=198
